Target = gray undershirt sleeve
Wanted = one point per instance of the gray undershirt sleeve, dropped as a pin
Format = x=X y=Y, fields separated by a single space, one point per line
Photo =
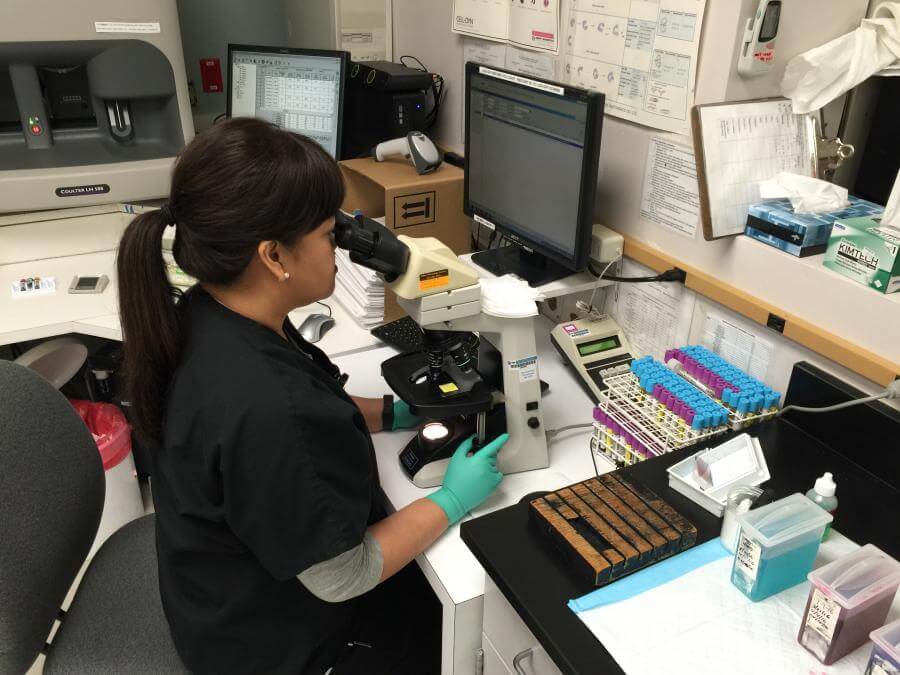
x=347 y=575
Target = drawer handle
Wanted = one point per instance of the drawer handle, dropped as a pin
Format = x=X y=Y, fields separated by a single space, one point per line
x=518 y=658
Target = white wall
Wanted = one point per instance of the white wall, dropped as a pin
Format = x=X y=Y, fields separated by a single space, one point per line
x=208 y=26
x=422 y=29
x=310 y=23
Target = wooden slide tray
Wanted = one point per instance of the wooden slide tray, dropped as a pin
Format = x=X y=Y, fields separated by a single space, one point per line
x=611 y=526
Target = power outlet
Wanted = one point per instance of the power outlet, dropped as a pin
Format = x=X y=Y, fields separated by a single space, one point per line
x=606 y=245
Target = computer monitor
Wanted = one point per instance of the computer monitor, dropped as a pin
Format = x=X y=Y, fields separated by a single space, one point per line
x=300 y=90
x=532 y=151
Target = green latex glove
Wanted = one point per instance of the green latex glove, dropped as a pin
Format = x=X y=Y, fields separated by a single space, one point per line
x=469 y=480
x=403 y=418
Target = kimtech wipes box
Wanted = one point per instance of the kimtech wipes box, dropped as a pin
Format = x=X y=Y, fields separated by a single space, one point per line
x=866 y=251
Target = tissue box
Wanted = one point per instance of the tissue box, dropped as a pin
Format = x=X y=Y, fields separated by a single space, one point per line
x=774 y=222
x=864 y=250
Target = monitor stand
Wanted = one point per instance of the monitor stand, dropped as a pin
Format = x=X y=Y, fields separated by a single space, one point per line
x=534 y=268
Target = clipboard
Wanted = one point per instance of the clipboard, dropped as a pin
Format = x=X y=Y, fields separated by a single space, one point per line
x=739 y=144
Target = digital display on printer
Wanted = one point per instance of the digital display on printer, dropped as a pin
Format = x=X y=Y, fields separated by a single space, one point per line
x=597 y=346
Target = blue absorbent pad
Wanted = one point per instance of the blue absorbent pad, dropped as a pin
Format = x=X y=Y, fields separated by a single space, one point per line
x=656 y=575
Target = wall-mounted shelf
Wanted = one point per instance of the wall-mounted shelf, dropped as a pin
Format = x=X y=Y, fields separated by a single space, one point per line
x=873 y=308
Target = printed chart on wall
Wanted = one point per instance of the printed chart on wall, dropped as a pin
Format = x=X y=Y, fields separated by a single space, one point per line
x=533 y=24
x=739 y=347
x=655 y=316
x=642 y=54
x=512 y=58
x=671 y=197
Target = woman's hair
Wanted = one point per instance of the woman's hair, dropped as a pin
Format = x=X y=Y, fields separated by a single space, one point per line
x=239 y=183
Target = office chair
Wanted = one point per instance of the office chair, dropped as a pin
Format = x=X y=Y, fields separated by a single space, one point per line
x=51 y=499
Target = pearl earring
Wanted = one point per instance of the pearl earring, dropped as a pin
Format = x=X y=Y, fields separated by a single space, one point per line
x=287 y=275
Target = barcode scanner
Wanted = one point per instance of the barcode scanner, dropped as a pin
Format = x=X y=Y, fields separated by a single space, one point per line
x=415 y=146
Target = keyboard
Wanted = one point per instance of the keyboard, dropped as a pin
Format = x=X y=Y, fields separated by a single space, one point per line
x=404 y=334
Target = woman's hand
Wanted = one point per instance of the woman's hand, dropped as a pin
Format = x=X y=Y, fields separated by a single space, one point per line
x=403 y=417
x=469 y=479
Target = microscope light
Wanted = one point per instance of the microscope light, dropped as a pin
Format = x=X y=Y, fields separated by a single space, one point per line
x=435 y=431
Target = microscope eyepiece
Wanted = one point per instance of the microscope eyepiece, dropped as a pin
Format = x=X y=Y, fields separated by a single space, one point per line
x=371 y=245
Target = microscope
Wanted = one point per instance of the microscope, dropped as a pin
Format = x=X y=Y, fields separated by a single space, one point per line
x=462 y=384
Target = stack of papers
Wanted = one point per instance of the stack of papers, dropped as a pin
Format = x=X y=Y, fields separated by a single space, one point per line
x=359 y=290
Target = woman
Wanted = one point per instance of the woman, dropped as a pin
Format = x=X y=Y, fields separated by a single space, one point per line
x=273 y=545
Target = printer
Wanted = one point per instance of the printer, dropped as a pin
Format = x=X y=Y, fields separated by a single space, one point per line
x=384 y=100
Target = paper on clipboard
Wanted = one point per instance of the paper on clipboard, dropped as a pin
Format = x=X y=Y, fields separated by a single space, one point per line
x=737 y=146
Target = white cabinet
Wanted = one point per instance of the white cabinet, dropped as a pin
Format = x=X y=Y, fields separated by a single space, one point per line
x=509 y=647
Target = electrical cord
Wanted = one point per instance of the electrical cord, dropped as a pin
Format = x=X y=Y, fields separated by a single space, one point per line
x=325 y=305
x=891 y=392
x=553 y=433
x=600 y=276
x=674 y=274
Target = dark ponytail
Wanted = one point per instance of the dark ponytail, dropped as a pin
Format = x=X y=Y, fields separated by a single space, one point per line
x=239 y=183
x=149 y=323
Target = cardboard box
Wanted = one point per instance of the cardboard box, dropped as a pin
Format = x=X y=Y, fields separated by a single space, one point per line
x=774 y=222
x=414 y=205
x=865 y=250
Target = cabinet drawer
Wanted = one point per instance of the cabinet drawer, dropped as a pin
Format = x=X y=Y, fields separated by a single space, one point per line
x=493 y=664
x=510 y=637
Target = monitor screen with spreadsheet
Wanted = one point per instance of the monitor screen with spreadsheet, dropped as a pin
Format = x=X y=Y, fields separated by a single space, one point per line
x=532 y=156
x=300 y=90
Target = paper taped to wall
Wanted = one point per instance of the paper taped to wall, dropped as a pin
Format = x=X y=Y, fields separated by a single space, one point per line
x=739 y=347
x=671 y=197
x=642 y=55
x=654 y=316
x=533 y=25
x=482 y=51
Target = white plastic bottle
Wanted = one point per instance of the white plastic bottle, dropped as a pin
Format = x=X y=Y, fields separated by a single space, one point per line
x=823 y=495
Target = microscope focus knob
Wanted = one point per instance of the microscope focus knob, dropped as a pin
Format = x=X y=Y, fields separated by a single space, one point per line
x=534 y=422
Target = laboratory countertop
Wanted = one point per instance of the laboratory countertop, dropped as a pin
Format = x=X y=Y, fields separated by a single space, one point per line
x=96 y=314
x=534 y=579
x=570 y=458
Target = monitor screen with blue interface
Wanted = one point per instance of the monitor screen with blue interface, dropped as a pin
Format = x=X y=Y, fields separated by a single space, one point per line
x=298 y=90
x=529 y=155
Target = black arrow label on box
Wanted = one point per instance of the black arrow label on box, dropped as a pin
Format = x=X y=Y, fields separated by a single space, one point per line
x=423 y=209
x=415 y=208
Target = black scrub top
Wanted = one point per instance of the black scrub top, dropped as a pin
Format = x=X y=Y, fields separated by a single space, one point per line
x=266 y=468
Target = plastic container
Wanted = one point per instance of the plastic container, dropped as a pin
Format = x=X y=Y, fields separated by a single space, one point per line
x=849 y=598
x=112 y=433
x=822 y=494
x=740 y=499
x=57 y=361
x=885 y=659
x=683 y=481
x=777 y=546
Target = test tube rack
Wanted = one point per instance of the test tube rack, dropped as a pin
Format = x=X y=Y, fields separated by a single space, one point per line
x=610 y=526
x=630 y=425
x=33 y=286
